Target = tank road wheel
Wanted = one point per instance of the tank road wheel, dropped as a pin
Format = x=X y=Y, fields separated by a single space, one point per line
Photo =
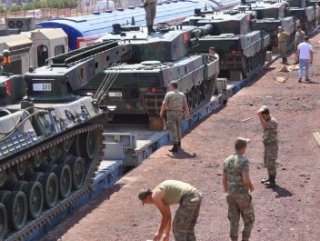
x=17 y=207
x=87 y=144
x=34 y=194
x=3 y=221
x=35 y=197
x=66 y=145
x=50 y=186
x=3 y=177
x=54 y=153
x=37 y=160
x=21 y=168
x=65 y=180
x=78 y=172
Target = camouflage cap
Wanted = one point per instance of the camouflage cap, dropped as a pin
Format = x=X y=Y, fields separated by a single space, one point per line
x=263 y=109
x=143 y=193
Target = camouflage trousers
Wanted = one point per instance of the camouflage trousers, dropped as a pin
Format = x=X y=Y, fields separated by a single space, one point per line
x=240 y=204
x=150 y=13
x=174 y=118
x=270 y=156
x=186 y=217
x=283 y=49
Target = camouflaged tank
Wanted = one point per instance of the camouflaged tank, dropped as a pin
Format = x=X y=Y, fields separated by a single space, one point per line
x=50 y=143
x=306 y=12
x=270 y=15
x=242 y=52
x=156 y=60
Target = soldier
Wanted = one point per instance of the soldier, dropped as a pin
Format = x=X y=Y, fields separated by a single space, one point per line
x=298 y=38
x=236 y=184
x=270 y=141
x=172 y=192
x=212 y=53
x=282 y=44
x=174 y=103
x=150 y=6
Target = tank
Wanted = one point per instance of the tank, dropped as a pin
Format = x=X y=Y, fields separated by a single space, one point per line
x=242 y=52
x=304 y=11
x=140 y=83
x=269 y=16
x=50 y=143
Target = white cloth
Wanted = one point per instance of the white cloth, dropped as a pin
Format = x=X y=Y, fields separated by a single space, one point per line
x=304 y=50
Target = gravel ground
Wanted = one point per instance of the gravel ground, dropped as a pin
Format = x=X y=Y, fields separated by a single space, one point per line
x=290 y=212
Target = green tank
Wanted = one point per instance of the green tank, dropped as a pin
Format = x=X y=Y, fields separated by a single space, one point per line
x=269 y=16
x=50 y=142
x=304 y=11
x=242 y=52
x=140 y=84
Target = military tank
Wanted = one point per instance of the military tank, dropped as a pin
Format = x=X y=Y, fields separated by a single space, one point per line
x=269 y=16
x=304 y=11
x=157 y=59
x=50 y=140
x=242 y=52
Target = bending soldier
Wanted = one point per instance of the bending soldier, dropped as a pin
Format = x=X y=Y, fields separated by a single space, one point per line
x=237 y=183
x=172 y=192
x=174 y=104
x=270 y=141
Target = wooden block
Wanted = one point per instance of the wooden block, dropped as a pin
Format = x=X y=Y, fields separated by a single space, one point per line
x=316 y=135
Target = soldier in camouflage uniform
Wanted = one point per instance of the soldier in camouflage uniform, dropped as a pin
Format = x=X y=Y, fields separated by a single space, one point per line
x=175 y=104
x=282 y=44
x=172 y=192
x=237 y=183
x=270 y=141
x=150 y=6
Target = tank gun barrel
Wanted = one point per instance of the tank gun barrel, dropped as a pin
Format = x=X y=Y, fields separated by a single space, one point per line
x=203 y=30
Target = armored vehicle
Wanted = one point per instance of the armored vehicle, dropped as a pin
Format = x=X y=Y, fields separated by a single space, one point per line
x=305 y=12
x=156 y=60
x=269 y=16
x=50 y=141
x=241 y=52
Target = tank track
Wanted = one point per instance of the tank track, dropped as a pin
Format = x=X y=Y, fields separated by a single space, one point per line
x=69 y=202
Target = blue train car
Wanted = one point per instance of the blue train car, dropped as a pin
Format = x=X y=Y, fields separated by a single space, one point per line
x=100 y=23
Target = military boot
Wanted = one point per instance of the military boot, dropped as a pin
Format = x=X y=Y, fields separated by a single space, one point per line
x=284 y=61
x=174 y=149
x=265 y=180
x=272 y=182
x=179 y=144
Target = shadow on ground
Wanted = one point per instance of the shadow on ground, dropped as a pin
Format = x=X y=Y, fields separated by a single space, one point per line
x=79 y=214
x=282 y=192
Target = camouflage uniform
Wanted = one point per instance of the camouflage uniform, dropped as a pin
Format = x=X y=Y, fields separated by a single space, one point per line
x=150 y=7
x=186 y=217
x=175 y=101
x=238 y=198
x=270 y=141
x=282 y=44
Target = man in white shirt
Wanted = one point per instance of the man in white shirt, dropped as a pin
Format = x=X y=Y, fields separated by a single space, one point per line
x=305 y=56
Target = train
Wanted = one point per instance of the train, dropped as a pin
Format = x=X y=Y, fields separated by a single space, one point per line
x=84 y=30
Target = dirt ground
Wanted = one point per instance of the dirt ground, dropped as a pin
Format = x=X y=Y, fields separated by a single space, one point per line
x=290 y=212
